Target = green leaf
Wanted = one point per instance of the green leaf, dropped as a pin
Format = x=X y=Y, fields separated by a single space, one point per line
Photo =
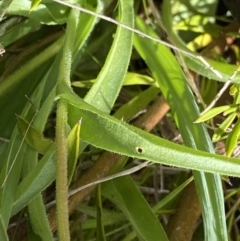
x=130 y=79
x=209 y=68
x=223 y=127
x=233 y=108
x=17 y=85
x=138 y=79
x=171 y=196
x=58 y=12
x=40 y=177
x=86 y=25
x=50 y=13
x=4 y=5
x=3 y=233
x=98 y=125
x=34 y=4
x=114 y=215
x=38 y=218
x=10 y=175
x=135 y=208
x=158 y=150
x=108 y=84
x=73 y=140
x=136 y=104
x=233 y=139
x=212 y=113
x=32 y=136
x=18 y=31
x=173 y=83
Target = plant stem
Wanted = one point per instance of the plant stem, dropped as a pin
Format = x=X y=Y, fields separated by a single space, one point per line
x=107 y=160
x=61 y=177
x=61 y=131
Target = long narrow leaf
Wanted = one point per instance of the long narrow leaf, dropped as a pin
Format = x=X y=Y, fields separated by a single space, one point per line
x=131 y=141
x=135 y=208
x=107 y=86
x=172 y=82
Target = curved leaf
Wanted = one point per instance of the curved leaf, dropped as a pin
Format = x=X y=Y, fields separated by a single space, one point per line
x=212 y=113
x=233 y=139
x=108 y=84
x=131 y=141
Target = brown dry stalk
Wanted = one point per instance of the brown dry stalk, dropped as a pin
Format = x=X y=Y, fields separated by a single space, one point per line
x=107 y=160
x=182 y=223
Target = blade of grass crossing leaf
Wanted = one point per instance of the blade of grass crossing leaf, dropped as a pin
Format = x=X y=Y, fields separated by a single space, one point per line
x=23 y=197
x=209 y=187
x=172 y=82
x=163 y=152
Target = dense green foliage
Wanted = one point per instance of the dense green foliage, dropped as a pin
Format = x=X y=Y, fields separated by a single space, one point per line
x=74 y=83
